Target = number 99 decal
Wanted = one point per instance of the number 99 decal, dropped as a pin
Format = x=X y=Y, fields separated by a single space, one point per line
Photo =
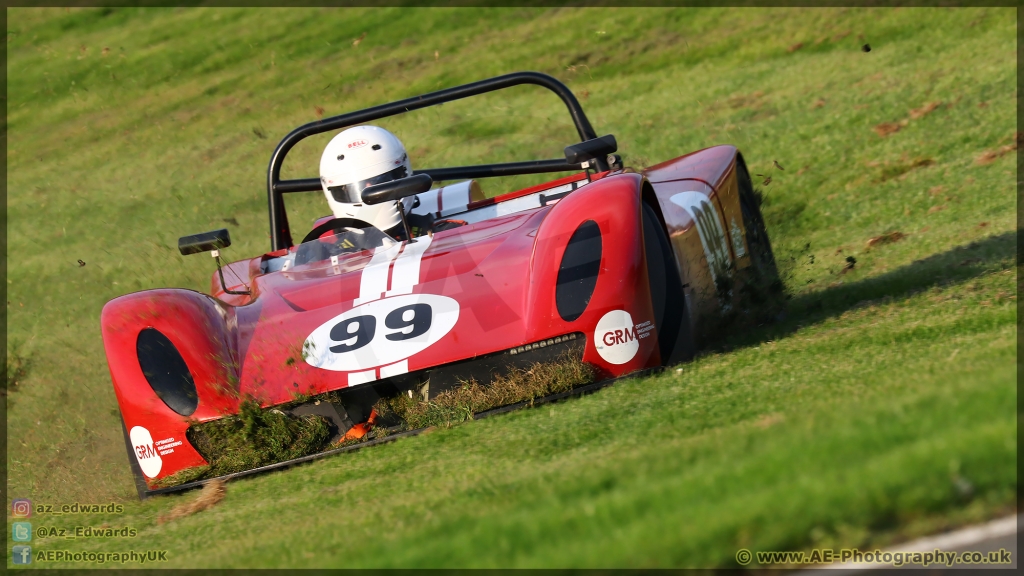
x=380 y=332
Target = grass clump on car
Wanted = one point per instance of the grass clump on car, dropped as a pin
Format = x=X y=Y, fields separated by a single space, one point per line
x=260 y=436
x=257 y=437
x=517 y=385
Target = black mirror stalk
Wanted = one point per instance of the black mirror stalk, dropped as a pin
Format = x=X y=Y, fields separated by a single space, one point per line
x=223 y=285
x=211 y=241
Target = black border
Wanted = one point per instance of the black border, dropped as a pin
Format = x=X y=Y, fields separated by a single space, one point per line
x=538 y=4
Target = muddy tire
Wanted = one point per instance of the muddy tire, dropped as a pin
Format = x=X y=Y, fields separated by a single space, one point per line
x=675 y=340
x=765 y=292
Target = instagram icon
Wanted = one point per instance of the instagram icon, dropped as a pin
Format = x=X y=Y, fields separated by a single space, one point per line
x=21 y=508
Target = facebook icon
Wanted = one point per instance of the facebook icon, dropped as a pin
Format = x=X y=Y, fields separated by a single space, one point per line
x=21 y=554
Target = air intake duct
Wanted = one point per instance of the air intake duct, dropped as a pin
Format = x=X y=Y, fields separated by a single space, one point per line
x=577 y=274
x=166 y=372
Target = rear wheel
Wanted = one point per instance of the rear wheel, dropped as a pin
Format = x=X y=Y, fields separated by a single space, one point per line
x=675 y=340
x=765 y=290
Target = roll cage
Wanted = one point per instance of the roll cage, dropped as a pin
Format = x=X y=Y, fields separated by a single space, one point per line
x=280 y=231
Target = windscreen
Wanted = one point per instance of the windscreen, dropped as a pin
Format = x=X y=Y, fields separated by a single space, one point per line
x=340 y=242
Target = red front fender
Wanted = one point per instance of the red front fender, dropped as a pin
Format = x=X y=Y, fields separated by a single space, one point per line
x=613 y=203
x=202 y=329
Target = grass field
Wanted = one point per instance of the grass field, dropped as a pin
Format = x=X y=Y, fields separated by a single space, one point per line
x=882 y=407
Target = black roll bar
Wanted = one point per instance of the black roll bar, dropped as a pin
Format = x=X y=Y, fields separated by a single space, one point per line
x=280 y=231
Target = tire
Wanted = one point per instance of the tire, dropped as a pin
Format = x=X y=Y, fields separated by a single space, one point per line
x=140 y=481
x=766 y=293
x=675 y=340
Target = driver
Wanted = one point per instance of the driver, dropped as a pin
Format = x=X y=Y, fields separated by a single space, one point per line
x=359 y=157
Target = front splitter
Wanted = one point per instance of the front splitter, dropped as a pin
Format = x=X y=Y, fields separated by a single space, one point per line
x=580 y=391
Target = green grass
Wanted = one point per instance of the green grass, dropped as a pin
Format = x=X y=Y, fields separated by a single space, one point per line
x=882 y=407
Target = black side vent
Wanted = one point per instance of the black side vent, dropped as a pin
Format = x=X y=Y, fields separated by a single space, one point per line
x=577 y=275
x=166 y=372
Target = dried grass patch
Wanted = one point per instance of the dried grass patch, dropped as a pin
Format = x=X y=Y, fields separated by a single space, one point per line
x=924 y=110
x=900 y=170
x=887 y=238
x=211 y=495
x=990 y=156
x=746 y=100
x=518 y=385
x=886 y=128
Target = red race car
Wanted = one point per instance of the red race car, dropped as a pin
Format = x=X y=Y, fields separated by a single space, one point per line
x=310 y=348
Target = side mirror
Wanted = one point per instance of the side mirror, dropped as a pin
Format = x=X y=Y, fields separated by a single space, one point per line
x=397 y=189
x=204 y=242
x=591 y=149
x=211 y=241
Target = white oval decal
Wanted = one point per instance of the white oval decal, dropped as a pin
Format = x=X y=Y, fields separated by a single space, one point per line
x=145 y=452
x=380 y=332
x=616 y=338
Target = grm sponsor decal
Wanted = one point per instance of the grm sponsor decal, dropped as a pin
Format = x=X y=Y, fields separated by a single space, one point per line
x=146 y=453
x=616 y=338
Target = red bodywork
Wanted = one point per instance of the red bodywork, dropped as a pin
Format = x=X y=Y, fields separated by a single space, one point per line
x=501 y=273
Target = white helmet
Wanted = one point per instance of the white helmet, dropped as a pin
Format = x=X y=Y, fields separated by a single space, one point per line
x=357 y=158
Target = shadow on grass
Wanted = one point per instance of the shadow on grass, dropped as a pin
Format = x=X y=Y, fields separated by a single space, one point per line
x=997 y=252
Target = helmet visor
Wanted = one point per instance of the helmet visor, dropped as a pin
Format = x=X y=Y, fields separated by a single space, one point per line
x=352 y=193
